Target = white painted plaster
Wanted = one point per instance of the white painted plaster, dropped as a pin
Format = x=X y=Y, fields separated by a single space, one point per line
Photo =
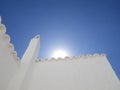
x=84 y=72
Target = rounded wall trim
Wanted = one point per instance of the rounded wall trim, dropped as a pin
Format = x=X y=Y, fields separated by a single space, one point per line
x=73 y=57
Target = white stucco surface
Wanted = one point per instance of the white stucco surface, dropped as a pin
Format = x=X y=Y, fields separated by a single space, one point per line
x=92 y=73
x=9 y=63
x=89 y=72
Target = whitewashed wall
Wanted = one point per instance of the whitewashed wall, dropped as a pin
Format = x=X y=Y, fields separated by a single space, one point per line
x=82 y=73
x=9 y=62
x=90 y=72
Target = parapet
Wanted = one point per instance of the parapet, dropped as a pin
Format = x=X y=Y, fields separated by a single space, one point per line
x=6 y=38
x=71 y=57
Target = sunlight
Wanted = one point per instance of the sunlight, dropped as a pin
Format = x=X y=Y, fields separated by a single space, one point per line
x=60 y=53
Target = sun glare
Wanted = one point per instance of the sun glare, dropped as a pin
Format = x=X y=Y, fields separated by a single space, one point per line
x=60 y=53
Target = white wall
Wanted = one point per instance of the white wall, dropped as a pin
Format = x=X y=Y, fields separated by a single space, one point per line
x=9 y=62
x=90 y=72
x=93 y=73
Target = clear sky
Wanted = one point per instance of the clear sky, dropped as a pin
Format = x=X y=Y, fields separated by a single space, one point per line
x=78 y=26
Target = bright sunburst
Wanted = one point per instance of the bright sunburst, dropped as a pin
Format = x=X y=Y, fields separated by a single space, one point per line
x=60 y=53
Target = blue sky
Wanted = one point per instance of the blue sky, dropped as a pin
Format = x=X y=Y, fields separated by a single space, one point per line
x=78 y=26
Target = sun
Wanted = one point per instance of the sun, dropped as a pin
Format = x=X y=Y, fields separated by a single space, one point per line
x=59 y=53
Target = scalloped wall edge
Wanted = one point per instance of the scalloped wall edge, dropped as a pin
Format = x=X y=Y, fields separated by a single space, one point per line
x=2 y=29
x=72 y=57
x=7 y=39
x=13 y=51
